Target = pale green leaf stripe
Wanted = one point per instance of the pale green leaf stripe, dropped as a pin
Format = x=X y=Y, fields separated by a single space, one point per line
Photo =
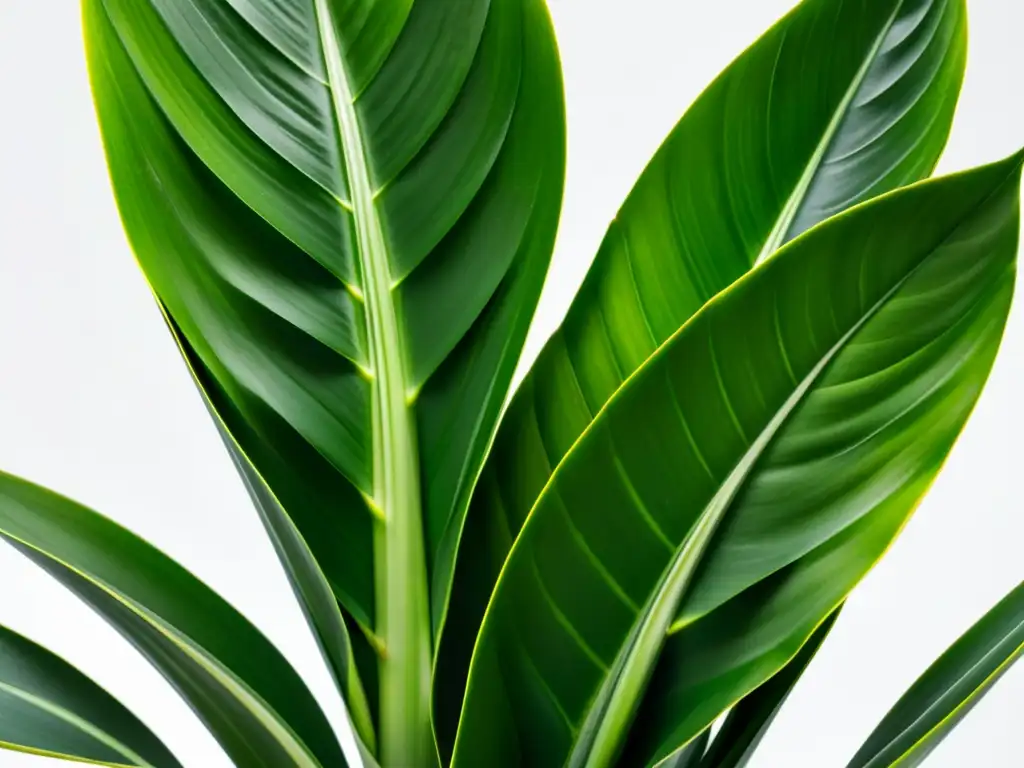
x=49 y=707
x=948 y=690
x=76 y=722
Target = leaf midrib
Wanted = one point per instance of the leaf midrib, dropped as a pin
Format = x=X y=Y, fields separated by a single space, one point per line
x=787 y=215
x=634 y=663
x=402 y=610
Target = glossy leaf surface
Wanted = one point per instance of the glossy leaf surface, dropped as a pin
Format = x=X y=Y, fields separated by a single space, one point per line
x=48 y=707
x=308 y=582
x=743 y=480
x=245 y=692
x=347 y=208
x=838 y=102
x=947 y=692
x=748 y=721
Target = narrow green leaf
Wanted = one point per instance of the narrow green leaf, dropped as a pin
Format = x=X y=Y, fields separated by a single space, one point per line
x=47 y=707
x=948 y=690
x=347 y=209
x=748 y=721
x=772 y=449
x=245 y=692
x=838 y=102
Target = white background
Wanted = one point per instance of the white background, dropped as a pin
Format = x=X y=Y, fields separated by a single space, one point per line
x=94 y=402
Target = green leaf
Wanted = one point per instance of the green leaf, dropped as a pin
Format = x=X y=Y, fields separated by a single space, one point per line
x=241 y=687
x=747 y=722
x=690 y=755
x=308 y=582
x=47 y=707
x=838 y=102
x=347 y=209
x=767 y=454
x=949 y=689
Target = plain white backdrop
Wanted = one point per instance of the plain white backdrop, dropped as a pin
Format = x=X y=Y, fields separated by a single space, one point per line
x=94 y=402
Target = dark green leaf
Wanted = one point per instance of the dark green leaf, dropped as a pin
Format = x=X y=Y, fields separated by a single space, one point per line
x=943 y=695
x=747 y=723
x=347 y=209
x=733 y=491
x=48 y=707
x=233 y=678
x=838 y=102
x=308 y=582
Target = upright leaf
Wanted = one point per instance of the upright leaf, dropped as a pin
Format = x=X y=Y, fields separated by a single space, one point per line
x=48 y=707
x=241 y=687
x=838 y=102
x=775 y=445
x=347 y=208
x=948 y=690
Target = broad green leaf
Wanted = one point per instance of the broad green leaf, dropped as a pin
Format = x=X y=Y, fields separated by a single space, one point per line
x=838 y=102
x=767 y=454
x=47 y=707
x=747 y=722
x=241 y=687
x=347 y=208
x=948 y=690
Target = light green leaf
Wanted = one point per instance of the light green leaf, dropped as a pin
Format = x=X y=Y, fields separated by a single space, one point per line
x=347 y=208
x=47 y=707
x=838 y=102
x=781 y=437
x=747 y=722
x=948 y=690
x=245 y=692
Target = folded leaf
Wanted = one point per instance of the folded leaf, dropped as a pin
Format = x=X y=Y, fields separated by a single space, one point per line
x=838 y=102
x=943 y=695
x=48 y=707
x=245 y=692
x=347 y=209
x=794 y=422
x=747 y=723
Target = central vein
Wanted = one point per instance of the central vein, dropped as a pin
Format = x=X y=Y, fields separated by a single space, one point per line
x=402 y=613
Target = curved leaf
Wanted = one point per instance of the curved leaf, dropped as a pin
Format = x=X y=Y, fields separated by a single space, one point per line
x=347 y=208
x=48 y=707
x=747 y=723
x=949 y=689
x=793 y=423
x=838 y=102
x=245 y=692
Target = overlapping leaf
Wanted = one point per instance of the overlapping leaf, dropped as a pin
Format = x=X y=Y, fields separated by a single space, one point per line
x=743 y=480
x=747 y=723
x=245 y=692
x=948 y=690
x=48 y=707
x=347 y=210
x=838 y=102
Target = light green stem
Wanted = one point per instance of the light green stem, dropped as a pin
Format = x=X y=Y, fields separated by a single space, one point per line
x=402 y=611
